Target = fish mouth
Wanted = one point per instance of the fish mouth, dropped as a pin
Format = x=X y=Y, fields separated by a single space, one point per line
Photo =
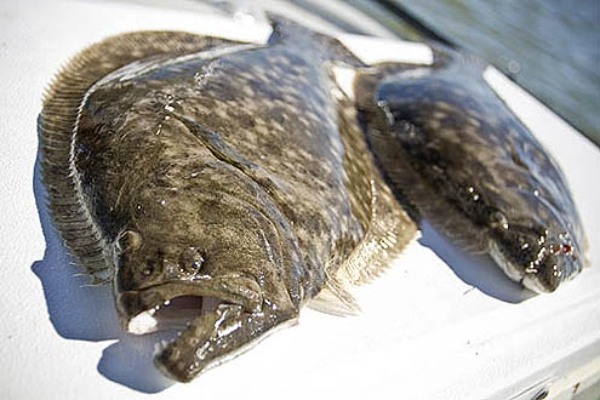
x=555 y=262
x=215 y=320
x=173 y=305
x=175 y=313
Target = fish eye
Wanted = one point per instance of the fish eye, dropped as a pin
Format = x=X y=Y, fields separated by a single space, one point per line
x=128 y=240
x=191 y=260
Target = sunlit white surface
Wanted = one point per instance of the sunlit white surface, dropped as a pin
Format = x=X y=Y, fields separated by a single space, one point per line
x=427 y=330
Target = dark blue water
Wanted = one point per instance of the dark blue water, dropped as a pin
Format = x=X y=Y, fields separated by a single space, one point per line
x=550 y=47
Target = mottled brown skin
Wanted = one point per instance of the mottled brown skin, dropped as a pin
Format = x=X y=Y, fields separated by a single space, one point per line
x=228 y=167
x=225 y=175
x=467 y=164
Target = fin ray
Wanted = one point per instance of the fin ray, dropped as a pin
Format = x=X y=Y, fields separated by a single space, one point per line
x=388 y=227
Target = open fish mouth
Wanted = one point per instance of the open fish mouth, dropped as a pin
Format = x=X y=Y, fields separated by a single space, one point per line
x=201 y=315
x=176 y=314
x=198 y=316
x=174 y=305
x=216 y=320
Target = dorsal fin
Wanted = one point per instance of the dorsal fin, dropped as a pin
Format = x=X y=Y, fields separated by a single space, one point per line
x=58 y=125
x=326 y=48
x=285 y=29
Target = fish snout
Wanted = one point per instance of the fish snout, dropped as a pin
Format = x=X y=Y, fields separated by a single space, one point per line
x=558 y=261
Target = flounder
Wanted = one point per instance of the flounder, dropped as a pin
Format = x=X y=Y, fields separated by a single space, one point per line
x=462 y=160
x=221 y=186
x=218 y=186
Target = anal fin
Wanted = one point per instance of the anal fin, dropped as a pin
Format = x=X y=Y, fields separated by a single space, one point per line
x=335 y=299
x=390 y=231
x=387 y=227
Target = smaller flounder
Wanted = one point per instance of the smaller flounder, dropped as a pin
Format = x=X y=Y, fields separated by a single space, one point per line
x=463 y=161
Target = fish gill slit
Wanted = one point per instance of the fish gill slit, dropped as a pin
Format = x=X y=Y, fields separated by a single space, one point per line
x=224 y=153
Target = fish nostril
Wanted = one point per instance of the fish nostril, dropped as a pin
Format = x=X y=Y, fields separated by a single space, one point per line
x=148 y=269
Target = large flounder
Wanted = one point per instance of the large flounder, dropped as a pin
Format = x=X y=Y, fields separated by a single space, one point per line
x=219 y=186
x=462 y=160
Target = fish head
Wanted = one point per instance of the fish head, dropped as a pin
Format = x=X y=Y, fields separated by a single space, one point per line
x=176 y=256
x=209 y=263
x=539 y=257
x=536 y=232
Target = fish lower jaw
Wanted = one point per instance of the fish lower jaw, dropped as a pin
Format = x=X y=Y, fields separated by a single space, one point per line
x=170 y=373
x=533 y=283
x=179 y=370
x=510 y=269
x=528 y=278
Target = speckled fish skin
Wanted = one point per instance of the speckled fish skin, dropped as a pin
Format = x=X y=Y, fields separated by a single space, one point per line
x=466 y=163
x=181 y=167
